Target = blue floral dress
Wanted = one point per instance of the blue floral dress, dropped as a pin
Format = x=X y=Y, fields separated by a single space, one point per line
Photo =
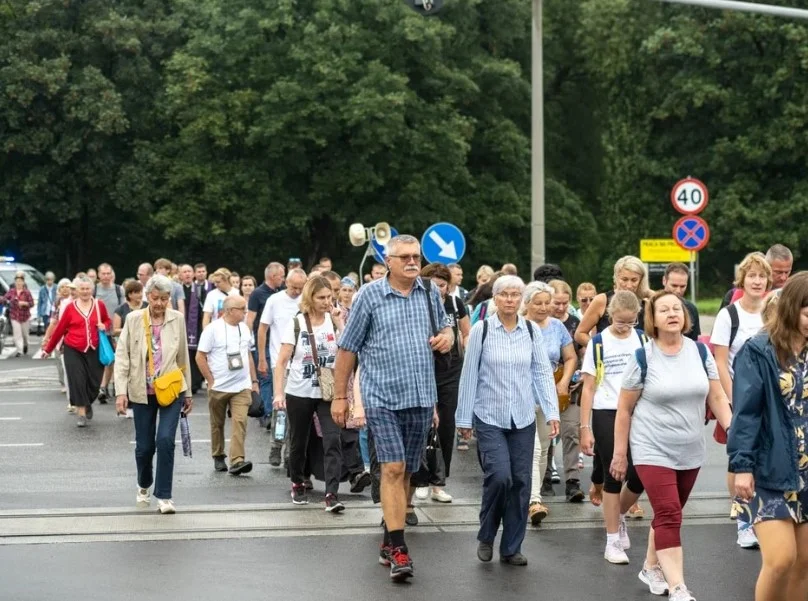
x=769 y=504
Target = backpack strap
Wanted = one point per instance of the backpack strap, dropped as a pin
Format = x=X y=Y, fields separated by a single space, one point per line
x=597 y=356
x=529 y=329
x=482 y=343
x=703 y=354
x=297 y=333
x=735 y=323
x=119 y=293
x=641 y=334
x=642 y=361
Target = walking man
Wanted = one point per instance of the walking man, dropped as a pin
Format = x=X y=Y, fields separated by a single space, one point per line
x=396 y=325
x=225 y=361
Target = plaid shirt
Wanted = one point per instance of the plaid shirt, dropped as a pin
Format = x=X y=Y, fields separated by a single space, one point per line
x=390 y=332
x=15 y=312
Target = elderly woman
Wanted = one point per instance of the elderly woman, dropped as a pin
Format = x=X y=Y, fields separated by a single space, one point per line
x=767 y=443
x=153 y=343
x=78 y=327
x=505 y=376
x=20 y=302
x=661 y=409
x=537 y=306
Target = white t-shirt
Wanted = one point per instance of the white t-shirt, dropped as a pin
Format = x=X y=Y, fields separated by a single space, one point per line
x=278 y=314
x=749 y=324
x=220 y=339
x=302 y=379
x=214 y=302
x=615 y=356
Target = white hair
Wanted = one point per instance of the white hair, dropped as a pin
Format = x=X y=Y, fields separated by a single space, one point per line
x=82 y=279
x=507 y=282
x=401 y=239
x=160 y=283
x=534 y=288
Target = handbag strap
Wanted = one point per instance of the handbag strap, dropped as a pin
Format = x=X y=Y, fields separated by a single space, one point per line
x=432 y=320
x=147 y=329
x=312 y=344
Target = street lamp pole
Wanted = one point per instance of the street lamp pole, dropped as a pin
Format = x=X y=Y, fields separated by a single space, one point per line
x=748 y=7
x=537 y=229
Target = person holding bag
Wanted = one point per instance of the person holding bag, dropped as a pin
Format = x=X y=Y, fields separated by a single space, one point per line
x=80 y=326
x=309 y=349
x=152 y=372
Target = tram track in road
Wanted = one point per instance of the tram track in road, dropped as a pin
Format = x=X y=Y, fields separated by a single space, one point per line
x=283 y=519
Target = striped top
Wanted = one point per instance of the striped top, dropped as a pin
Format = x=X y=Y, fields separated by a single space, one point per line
x=505 y=380
x=390 y=332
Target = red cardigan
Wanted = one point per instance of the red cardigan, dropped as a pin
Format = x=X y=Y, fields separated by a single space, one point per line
x=80 y=332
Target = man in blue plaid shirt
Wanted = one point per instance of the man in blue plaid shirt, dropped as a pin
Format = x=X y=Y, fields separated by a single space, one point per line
x=396 y=325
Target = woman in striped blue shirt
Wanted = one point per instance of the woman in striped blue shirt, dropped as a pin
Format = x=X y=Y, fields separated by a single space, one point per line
x=506 y=375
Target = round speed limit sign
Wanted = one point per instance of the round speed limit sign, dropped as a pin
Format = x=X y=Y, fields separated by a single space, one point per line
x=689 y=196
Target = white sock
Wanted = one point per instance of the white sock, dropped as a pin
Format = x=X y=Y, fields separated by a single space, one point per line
x=612 y=539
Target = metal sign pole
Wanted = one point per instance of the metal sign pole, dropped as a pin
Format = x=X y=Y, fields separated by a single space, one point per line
x=746 y=7
x=692 y=277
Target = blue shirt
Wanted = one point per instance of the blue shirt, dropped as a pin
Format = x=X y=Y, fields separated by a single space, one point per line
x=504 y=382
x=390 y=332
x=555 y=336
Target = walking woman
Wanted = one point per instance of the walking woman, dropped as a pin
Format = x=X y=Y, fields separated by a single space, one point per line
x=506 y=375
x=734 y=325
x=767 y=444
x=629 y=274
x=153 y=343
x=605 y=358
x=79 y=326
x=661 y=410
x=20 y=302
x=537 y=306
x=308 y=348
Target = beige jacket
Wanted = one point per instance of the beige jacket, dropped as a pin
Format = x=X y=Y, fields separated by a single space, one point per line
x=131 y=358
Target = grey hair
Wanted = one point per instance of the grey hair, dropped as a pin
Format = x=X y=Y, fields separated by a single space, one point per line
x=298 y=272
x=272 y=269
x=778 y=252
x=160 y=283
x=50 y=274
x=507 y=282
x=82 y=279
x=402 y=239
x=63 y=282
x=532 y=289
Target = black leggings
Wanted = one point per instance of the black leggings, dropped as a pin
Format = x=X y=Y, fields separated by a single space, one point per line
x=447 y=406
x=603 y=431
x=300 y=412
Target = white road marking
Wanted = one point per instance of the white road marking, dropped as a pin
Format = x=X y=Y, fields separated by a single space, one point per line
x=22 y=444
x=193 y=440
x=15 y=404
x=10 y=419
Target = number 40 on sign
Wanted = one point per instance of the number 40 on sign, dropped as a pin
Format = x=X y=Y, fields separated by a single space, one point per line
x=689 y=196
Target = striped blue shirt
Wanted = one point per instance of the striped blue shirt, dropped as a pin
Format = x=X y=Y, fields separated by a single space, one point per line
x=512 y=379
x=390 y=332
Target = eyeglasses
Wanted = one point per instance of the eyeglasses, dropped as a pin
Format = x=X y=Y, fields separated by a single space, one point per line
x=510 y=295
x=586 y=299
x=407 y=258
x=626 y=324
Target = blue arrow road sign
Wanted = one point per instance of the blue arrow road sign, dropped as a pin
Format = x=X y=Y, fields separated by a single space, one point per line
x=443 y=243
x=379 y=251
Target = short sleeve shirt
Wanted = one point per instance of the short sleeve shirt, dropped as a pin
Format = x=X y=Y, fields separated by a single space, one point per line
x=667 y=427
x=302 y=380
x=219 y=340
x=749 y=324
x=555 y=337
x=214 y=302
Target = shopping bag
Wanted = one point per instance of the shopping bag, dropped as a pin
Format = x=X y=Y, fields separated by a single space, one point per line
x=106 y=355
x=185 y=432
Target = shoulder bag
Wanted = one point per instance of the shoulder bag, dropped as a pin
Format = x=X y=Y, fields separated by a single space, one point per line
x=106 y=355
x=167 y=387
x=325 y=375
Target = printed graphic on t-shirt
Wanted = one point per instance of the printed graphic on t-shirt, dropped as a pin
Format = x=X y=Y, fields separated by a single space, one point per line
x=325 y=342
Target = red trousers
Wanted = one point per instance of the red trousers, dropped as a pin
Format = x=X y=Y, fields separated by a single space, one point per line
x=668 y=491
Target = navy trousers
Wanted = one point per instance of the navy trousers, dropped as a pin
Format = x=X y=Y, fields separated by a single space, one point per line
x=506 y=457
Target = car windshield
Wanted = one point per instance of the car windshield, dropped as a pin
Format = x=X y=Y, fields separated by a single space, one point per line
x=33 y=279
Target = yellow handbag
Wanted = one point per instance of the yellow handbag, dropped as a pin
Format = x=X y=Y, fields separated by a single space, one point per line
x=167 y=387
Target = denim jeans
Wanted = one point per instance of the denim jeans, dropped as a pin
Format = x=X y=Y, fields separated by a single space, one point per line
x=149 y=436
x=364 y=449
x=265 y=385
x=506 y=458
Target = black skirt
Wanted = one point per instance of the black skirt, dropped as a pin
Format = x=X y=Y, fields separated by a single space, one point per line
x=84 y=372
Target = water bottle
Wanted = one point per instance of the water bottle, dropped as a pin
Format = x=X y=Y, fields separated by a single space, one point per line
x=280 y=426
x=576 y=377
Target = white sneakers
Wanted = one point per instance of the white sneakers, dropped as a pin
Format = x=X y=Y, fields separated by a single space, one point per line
x=655 y=579
x=746 y=536
x=422 y=493
x=441 y=496
x=622 y=531
x=166 y=506
x=680 y=593
x=614 y=554
x=143 y=498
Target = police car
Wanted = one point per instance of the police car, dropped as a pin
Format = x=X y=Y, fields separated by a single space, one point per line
x=33 y=279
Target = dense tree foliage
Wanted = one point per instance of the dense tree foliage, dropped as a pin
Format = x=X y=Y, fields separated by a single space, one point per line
x=242 y=130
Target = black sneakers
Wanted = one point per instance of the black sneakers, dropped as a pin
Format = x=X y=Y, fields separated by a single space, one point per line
x=275 y=456
x=574 y=492
x=219 y=464
x=360 y=482
x=299 y=496
x=400 y=565
x=241 y=467
x=333 y=504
